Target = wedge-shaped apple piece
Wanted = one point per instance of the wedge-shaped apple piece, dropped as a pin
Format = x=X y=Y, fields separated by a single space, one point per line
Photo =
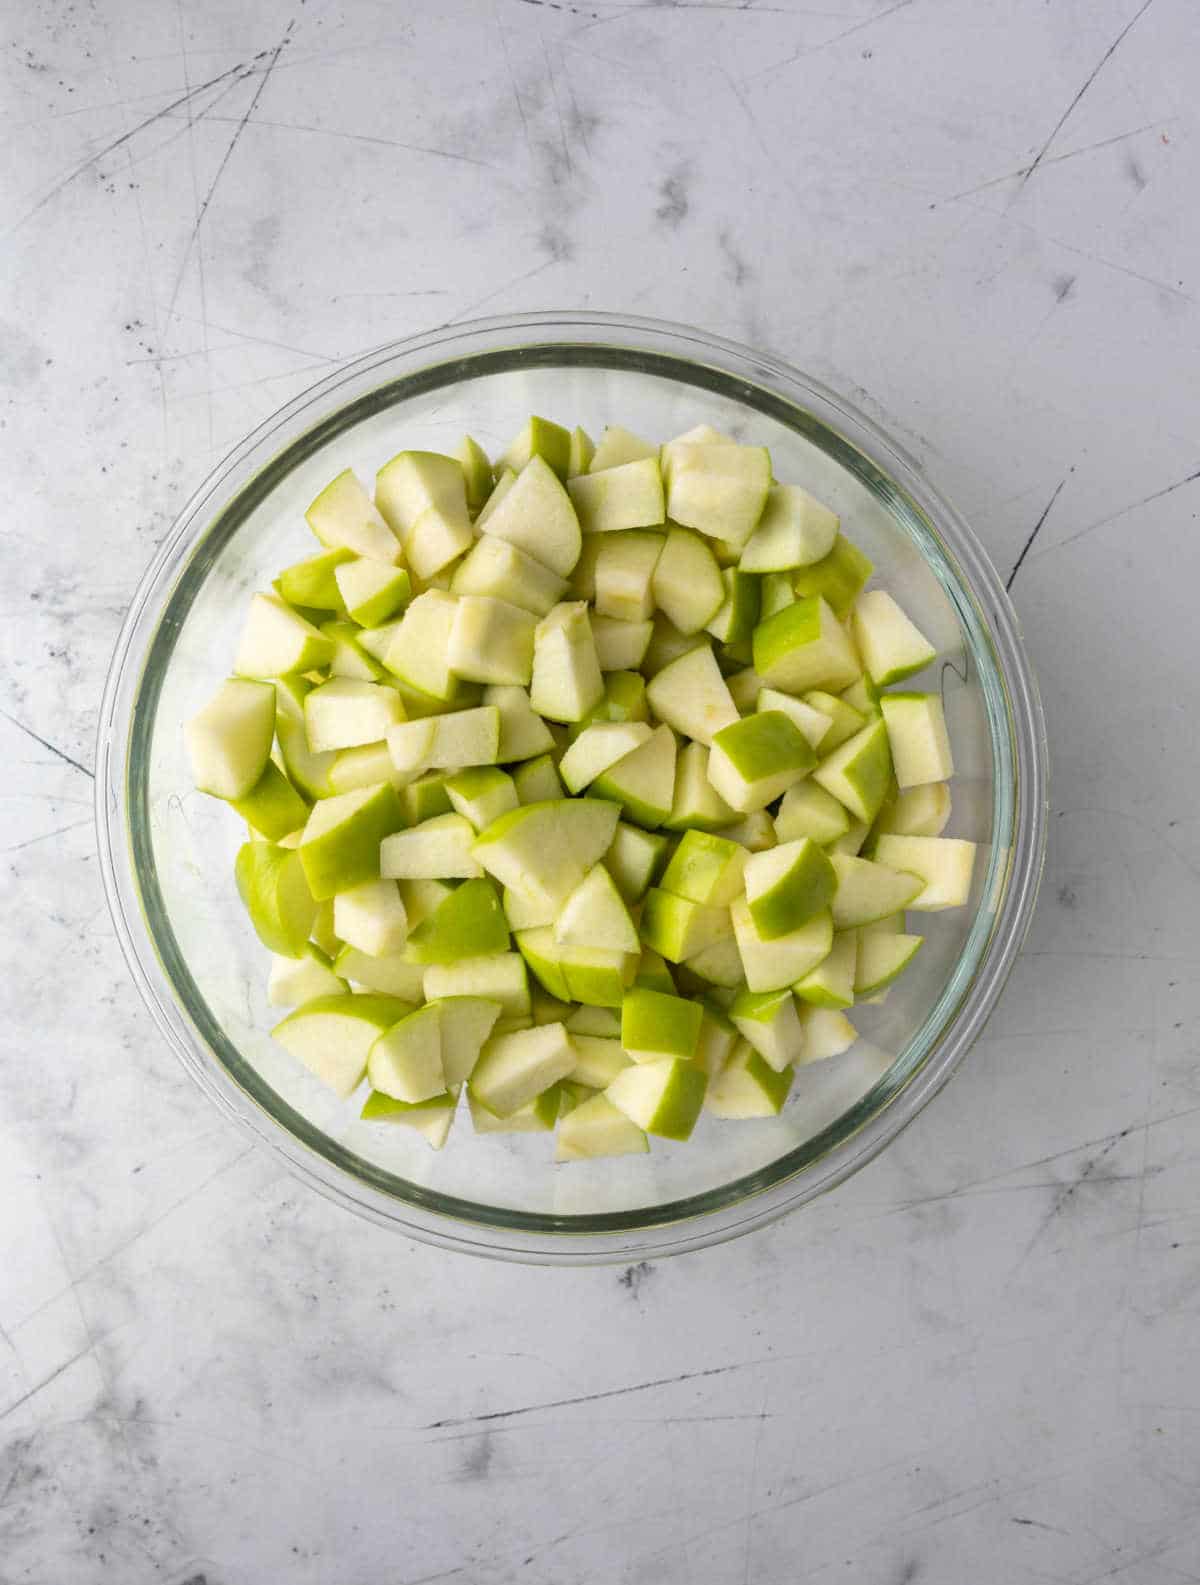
x=643 y=782
x=852 y=839
x=371 y=917
x=538 y=437
x=814 y=724
x=687 y=582
x=943 y=864
x=310 y=772
x=500 y=571
x=394 y=974
x=859 y=773
x=775 y=594
x=500 y=978
x=350 y=659
x=477 y=471
x=582 y=450
x=827 y=1033
x=623 y=576
x=868 y=890
x=768 y=1020
x=770 y=965
x=523 y=733
x=537 y=517
x=662 y=1097
x=524 y=911
x=844 y=720
x=837 y=577
x=920 y=744
x=595 y=975
x=596 y=748
x=599 y=1059
x=344 y=713
x=627 y=496
x=882 y=959
x=601 y=1021
x=423 y=497
x=312 y=583
x=446 y=742
x=405 y=1060
x=831 y=983
x=678 y=928
x=809 y=811
x=620 y=646
x=273 y=888
x=696 y=804
x=423 y=897
x=229 y=740
x=690 y=694
x=272 y=807
x=804 y=646
x=917 y=812
x=437 y=849
x=794 y=530
x=595 y=916
x=340 y=845
x=654 y=1025
x=431 y=1119
x=344 y=515
x=757 y=759
x=755 y=833
x=654 y=973
x=544 y=850
x=419 y=650
x=566 y=672
x=624 y=700
x=469 y=923
x=748 y=1086
x=720 y=964
x=293 y=981
x=535 y=1117
x=890 y=644
x=466 y=1022
x=537 y=781
x=667 y=643
x=276 y=641
x=617 y=446
x=333 y=1034
x=707 y=869
x=719 y=489
x=323 y=933
x=596 y=1128
x=787 y=885
x=481 y=794
x=718 y=1038
x=491 y=641
x=513 y=1069
x=739 y=612
x=634 y=859
x=371 y=591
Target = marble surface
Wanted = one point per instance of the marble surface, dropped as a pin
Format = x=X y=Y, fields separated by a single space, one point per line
x=978 y=1359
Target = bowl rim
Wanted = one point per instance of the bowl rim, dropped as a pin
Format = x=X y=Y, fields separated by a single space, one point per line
x=977 y=593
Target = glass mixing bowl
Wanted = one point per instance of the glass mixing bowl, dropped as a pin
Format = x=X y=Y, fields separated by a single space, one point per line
x=167 y=852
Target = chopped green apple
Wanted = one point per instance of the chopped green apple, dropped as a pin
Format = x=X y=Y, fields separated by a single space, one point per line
x=426 y=797
x=364 y=766
x=719 y=489
x=744 y=689
x=748 y=1086
x=804 y=646
x=627 y=496
x=795 y=530
x=371 y=917
x=500 y=571
x=229 y=740
x=696 y=804
x=566 y=672
x=405 y=1060
x=707 y=869
x=468 y=923
x=477 y=472
x=844 y=720
x=757 y=758
x=276 y=641
x=770 y=965
x=769 y=1021
x=498 y=977
x=813 y=723
x=620 y=646
x=514 y=1069
x=837 y=577
x=525 y=911
x=868 y=889
x=596 y=1128
x=667 y=643
x=678 y=928
x=293 y=981
x=831 y=983
x=343 y=515
x=596 y=748
x=624 y=699
x=523 y=733
x=491 y=641
x=371 y=591
x=310 y=772
x=691 y=695
x=599 y=1059
x=272 y=808
x=920 y=744
x=595 y=916
x=720 y=964
x=654 y=1025
x=718 y=1037
x=537 y=781
x=437 y=849
x=455 y=741
x=344 y=713
x=859 y=773
x=852 y=840
x=922 y=811
x=419 y=650
x=653 y=973
x=623 y=575
x=332 y=1036
x=755 y=833
x=634 y=859
x=481 y=794
x=350 y=659
x=890 y=644
x=882 y=959
x=537 y=517
x=618 y=446
x=422 y=496
x=538 y=437
x=775 y=595
x=582 y=450
x=662 y=1097
x=466 y=1022
x=687 y=583
x=272 y=885
x=392 y=975
x=809 y=811
x=738 y=614
x=431 y=1119
x=535 y=1117
x=544 y=850
x=643 y=782
x=944 y=865
x=827 y=1033
x=787 y=885
x=341 y=841
x=604 y=1022
x=312 y=583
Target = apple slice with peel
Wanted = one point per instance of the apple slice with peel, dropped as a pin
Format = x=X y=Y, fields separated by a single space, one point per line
x=890 y=644
x=618 y=446
x=498 y=978
x=425 y=797
x=744 y=689
x=365 y=766
x=881 y=959
x=662 y=1097
x=419 y=649
x=371 y=917
x=844 y=720
x=537 y=781
x=513 y=1069
x=831 y=983
x=535 y=1117
x=323 y=934
x=851 y=841
x=599 y=1059
x=775 y=594
x=804 y=646
x=667 y=643
x=720 y=964
x=597 y=747
x=276 y=641
x=432 y=1119
x=601 y=1021
x=544 y=850
x=371 y=591
x=917 y=812
x=333 y=1034
x=537 y=517
x=491 y=641
x=794 y=530
x=567 y=681
x=654 y=973
x=678 y=928
x=624 y=700
x=809 y=811
x=596 y=1128
x=620 y=646
x=394 y=974
x=481 y=794
x=654 y=1025
x=272 y=807
x=594 y=975
x=643 y=782
x=229 y=740
x=500 y=571
x=691 y=695
x=757 y=758
x=477 y=471
x=344 y=515
x=296 y=980
x=739 y=612
x=697 y=805
x=310 y=772
x=719 y=489
x=466 y=1022
x=748 y=1086
x=423 y=897
x=718 y=1037
x=687 y=582
x=523 y=733
x=538 y=437
x=341 y=841
x=437 y=849
x=787 y=885
x=634 y=858
x=623 y=574
x=469 y=923
x=770 y=965
x=422 y=495
x=581 y=452
x=859 y=773
x=344 y=713
x=920 y=744
x=707 y=869
x=944 y=865
x=769 y=1021
x=813 y=723
x=595 y=916
x=627 y=496
x=405 y=1061
x=446 y=742
x=273 y=888
x=837 y=577
x=827 y=1033
x=869 y=889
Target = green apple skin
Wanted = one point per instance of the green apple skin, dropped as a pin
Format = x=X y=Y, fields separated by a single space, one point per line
x=804 y=646
x=272 y=807
x=405 y=1061
x=706 y=868
x=662 y=1097
x=891 y=645
x=809 y=811
x=539 y=437
x=595 y=1129
x=836 y=578
x=341 y=843
x=757 y=759
x=431 y=1119
x=678 y=928
x=784 y=900
x=312 y=583
x=748 y=1086
x=333 y=1034
x=273 y=887
x=514 y=1069
x=868 y=890
x=881 y=960
x=944 y=865
x=653 y=973
x=859 y=773
x=655 y=1025
x=831 y=983
x=470 y=923
x=500 y=979
x=740 y=611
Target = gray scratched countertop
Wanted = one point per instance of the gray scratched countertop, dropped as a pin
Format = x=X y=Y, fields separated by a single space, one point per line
x=980 y=1359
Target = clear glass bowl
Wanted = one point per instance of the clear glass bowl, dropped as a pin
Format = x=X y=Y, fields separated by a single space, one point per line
x=168 y=852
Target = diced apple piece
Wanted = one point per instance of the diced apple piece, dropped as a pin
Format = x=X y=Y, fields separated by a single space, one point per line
x=739 y=612
x=720 y=964
x=535 y=1117
x=787 y=885
x=634 y=859
x=827 y=1033
x=620 y=646
x=491 y=641
x=756 y=832
x=596 y=1128
x=276 y=641
x=882 y=959
x=869 y=889
x=747 y=1086
x=582 y=450
x=344 y=515
x=667 y=643
x=697 y=805
x=500 y=571
x=844 y=720
x=837 y=577
x=466 y=1022
x=719 y=489
x=627 y=496
x=599 y=1059
x=794 y=531
x=859 y=773
x=431 y=1119
x=497 y=978
x=333 y=1034
x=539 y=437
x=566 y=673
x=687 y=582
x=809 y=811
x=310 y=772
x=341 y=841
x=523 y=733
x=537 y=517
x=943 y=864
x=422 y=495
x=545 y=849
x=350 y=659
x=813 y=723
x=229 y=740
x=917 y=812
x=372 y=591
x=804 y=646
x=755 y=760
x=920 y=744
x=312 y=583
x=890 y=644
x=477 y=472
x=691 y=695
x=707 y=869
x=481 y=793
x=769 y=1021
x=770 y=965
x=662 y=1097
x=344 y=713
x=272 y=808
x=273 y=888
x=831 y=983
x=513 y=1069
x=537 y=781
x=468 y=923
x=595 y=916
x=419 y=650
x=654 y=1025
x=598 y=747
x=618 y=446
x=438 y=849
x=680 y=929
x=371 y=917
x=405 y=1060
x=643 y=782
x=624 y=574
x=293 y=981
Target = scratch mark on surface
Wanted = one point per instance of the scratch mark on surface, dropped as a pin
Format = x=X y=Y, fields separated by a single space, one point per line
x=516 y=281
x=1055 y=159
x=836 y=38
x=1037 y=528
x=360 y=137
x=1091 y=78
x=746 y=110
x=42 y=1385
x=516 y=92
x=594 y=1397
x=29 y=732
x=46 y=836
x=1037 y=1524
x=1157 y=495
